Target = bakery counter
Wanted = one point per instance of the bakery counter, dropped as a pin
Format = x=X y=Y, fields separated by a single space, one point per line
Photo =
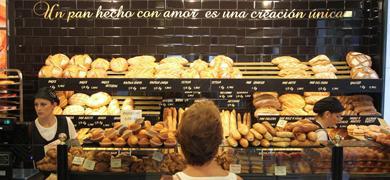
x=225 y=88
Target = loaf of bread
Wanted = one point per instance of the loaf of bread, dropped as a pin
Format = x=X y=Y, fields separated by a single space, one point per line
x=141 y=73
x=292 y=101
x=293 y=72
x=308 y=108
x=208 y=73
x=293 y=65
x=360 y=109
x=293 y=112
x=174 y=59
x=138 y=60
x=97 y=73
x=266 y=101
x=97 y=111
x=313 y=99
x=118 y=64
x=100 y=63
x=59 y=60
x=323 y=68
x=319 y=60
x=81 y=60
x=257 y=94
x=114 y=108
x=236 y=73
x=73 y=110
x=78 y=99
x=199 y=65
x=363 y=73
x=357 y=59
x=284 y=59
x=190 y=73
x=74 y=71
x=98 y=99
x=50 y=72
x=266 y=112
x=361 y=98
x=57 y=110
x=325 y=75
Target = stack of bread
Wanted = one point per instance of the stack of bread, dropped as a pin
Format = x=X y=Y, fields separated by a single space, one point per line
x=49 y=162
x=237 y=128
x=141 y=67
x=361 y=66
x=358 y=105
x=291 y=67
x=99 y=103
x=172 y=163
x=311 y=98
x=223 y=67
x=266 y=104
x=322 y=67
x=292 y=105
x=378 y=133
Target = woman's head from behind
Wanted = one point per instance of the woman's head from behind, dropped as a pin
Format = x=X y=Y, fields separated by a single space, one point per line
x=45 y=100
x=200 y=132
x=329 y=109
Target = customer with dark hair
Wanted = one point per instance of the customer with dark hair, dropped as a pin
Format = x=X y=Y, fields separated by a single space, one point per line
x=200 y=135
x=328 y=115
x=45 y=129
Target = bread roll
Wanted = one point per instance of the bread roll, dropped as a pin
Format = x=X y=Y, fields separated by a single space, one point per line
x=280 y=144
x=292 y=101
x=137 y=60
x=74 y=71
x=78 y=99
x=98 y=99
x=260 y=128
x=284 y=134
x=363 y=73
x=113 y=108
x=323 y=68
x=265 y=143
x=232 y=142
x=257 y=94
x=118 y=64
x=284 y=59
x=59 y=60
x=308 y=108
x=301 y=137
x=73 y=110
x=244 y=143
x=269 y=128
x=356 y=59
x=319 y=60
x=81 y=60
x=97 y=73
x=50 y=72
x=312 y=136
x=256 y=134
x=325 y=75
x=174 y=59
x=349 y=113
x=199 y=65
x=293 y=65
x=100 y=63
x=266 y=112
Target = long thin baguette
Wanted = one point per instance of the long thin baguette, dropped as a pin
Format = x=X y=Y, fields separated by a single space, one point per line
x=174 y=118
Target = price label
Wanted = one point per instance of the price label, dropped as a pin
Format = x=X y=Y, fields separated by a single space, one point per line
x=235 y=168
x=281 y=123
x=116 y=163
x=129 y=116
x=280 y=171
x=89 y=165
x=158 y=156
x=78 y=160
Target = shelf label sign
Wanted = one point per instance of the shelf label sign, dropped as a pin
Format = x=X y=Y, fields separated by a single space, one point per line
x=78 y=160
x=280 y=171
x=116 y=163
x=89 y=165
x=235 y=168
x=129 y=116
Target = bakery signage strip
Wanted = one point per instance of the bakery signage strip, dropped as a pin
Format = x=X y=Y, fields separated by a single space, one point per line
x=227 y=88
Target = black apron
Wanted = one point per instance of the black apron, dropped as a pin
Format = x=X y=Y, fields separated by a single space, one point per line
x=38 y=142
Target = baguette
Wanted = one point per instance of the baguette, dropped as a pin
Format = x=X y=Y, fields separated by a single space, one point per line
x=248 y=120
x=181 y=111
x=280 y=144
x=250 y=137
x=285 y=134
x=244 y=142
x=260 y=128
x=225 y=124
x=256 y=143
x=174 y=118
x=269 y=128
x=232 y=142
x=280 y=139
x=242 y=127
x=256 y=134
x=305 y=128
x=265 y=143
x=268 y=136
x=233 y=126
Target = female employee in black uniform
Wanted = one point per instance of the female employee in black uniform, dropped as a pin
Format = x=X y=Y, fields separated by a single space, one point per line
x=46 y=128
x=328 y=115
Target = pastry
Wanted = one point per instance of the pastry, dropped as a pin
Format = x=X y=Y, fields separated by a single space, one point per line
x=199 y=65
x=174 y=59
x=59 y=60
x=139 y=60
x=319 y=60
x=74 y=71
x=97 y=73
x=82 y=60
x=118 y=64
x=119 y=142
x=292 y=101
x=73 y=110
x=106 y=142
x=100 y=63
x=363 y=73
x=325 y=75
x=78 y=99
x=50 y=72
x=155 y=142
x=356 y=59
x=284 y=59
x=323 y=68
x=57 y=110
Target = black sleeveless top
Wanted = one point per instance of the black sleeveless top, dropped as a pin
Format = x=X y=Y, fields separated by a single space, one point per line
x=38 y=142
